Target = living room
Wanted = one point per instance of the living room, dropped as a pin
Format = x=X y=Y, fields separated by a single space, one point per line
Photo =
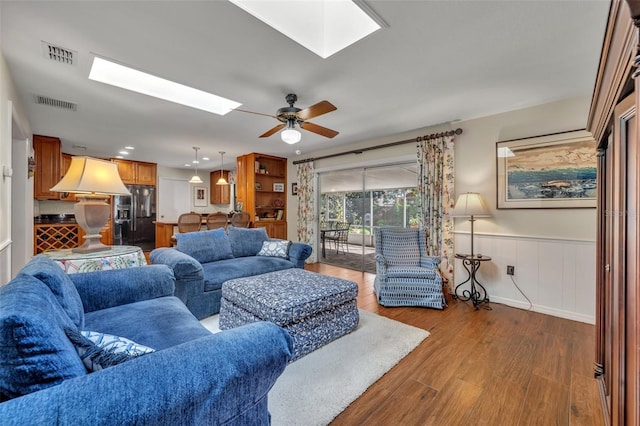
x=551 y=249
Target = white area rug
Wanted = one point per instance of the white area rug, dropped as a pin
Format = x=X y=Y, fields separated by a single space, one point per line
x=319 y=386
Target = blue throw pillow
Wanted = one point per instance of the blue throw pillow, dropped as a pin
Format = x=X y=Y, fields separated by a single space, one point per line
x=205 y=246
x=275 y=248
x=99 y=350
x=246 y=241
x=50 y=273
x=35 y=353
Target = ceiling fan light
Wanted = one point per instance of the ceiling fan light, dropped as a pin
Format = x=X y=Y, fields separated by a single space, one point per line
x=290 y=136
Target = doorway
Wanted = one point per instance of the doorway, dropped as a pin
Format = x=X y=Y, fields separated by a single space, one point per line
x=360 y=199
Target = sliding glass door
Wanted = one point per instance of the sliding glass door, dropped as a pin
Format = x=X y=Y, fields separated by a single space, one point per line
x=360 y=199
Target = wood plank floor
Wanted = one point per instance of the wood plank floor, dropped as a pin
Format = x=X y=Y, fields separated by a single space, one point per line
x=504 y=366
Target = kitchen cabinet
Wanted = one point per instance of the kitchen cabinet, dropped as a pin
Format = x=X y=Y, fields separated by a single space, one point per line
x=47 y=151
x=261 y=188
x=136 y=172
x=219 y=194
x=64 y=167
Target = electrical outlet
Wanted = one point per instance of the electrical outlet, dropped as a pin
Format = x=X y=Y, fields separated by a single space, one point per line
x=511 y=270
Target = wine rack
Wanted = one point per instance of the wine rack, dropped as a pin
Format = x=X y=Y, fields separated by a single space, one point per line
x=54 y=237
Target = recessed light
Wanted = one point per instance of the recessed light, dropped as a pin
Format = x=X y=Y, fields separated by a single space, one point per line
x=119 y=156
x=195 y=162
x=124 y=152
x=130 y=147
x=187 y=165
x=205 y=158
x=124 y=77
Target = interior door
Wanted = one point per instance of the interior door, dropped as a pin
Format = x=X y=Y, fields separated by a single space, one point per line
x=173 y=198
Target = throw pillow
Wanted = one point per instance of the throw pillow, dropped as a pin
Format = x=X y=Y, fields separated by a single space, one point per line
x=246 y=241
x=34 y=351
x=275 y=248
x=205 y=246
x=50 y=273
x=99 y=350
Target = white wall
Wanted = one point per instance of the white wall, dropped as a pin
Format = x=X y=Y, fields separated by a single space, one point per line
x=533 y=231
x=11 y=110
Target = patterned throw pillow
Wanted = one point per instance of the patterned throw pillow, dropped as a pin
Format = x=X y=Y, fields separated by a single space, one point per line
x=99 y=350
x=278 y=248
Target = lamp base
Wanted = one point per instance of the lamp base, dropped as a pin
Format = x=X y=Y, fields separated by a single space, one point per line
x=92 y=213
x=91 y=244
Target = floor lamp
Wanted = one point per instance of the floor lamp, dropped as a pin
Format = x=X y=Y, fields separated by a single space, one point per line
x=93 y=181
x=470 y=205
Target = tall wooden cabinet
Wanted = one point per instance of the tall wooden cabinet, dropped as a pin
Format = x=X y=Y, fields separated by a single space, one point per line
x=219 y=194
x=261 y=188
x=47 y=152
x=613 y=123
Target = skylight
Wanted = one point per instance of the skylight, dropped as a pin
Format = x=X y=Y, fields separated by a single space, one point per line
x=322 y=26
x=124 y=77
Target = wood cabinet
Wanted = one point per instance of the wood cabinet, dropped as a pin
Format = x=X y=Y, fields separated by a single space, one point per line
x=219 y=194
x=613 y=123
x=47 y=152
x=64 y=167
x=136 y=172
x=261 y=188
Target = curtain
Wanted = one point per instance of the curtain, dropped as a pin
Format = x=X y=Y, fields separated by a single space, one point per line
x=307 y=208
x=436 y=197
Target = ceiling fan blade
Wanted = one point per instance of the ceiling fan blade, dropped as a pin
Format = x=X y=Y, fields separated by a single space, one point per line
x=272 y=131
x=323 y=131
x=257 y=113
x=320 y=108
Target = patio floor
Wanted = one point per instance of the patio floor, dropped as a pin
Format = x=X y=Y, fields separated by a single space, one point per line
x=351 y=258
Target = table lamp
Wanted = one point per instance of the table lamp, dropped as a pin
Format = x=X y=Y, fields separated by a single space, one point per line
x=93 y=181
x=470 y=205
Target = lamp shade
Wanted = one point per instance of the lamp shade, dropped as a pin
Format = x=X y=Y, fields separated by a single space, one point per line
x=91 y=176
x=470 y=204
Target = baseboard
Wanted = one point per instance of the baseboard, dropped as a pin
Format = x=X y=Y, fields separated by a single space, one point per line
x=574 y=316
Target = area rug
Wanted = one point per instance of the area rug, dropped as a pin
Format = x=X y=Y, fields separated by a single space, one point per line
x=319 y=386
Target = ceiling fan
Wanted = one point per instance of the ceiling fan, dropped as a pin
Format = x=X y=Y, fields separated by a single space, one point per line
x=290 y=116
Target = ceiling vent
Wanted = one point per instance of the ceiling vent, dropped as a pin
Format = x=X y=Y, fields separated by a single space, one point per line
x=58 y=54
x=56 y=103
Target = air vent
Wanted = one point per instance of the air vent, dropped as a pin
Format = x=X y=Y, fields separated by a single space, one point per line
x=57 y=103
x=58 y=54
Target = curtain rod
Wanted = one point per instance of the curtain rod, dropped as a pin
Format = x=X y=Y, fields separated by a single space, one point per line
x=457 y=131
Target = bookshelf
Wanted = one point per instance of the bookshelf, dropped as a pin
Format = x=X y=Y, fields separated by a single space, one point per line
x=261 y=188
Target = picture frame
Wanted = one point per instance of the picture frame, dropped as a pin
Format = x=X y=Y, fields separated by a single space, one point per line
x=547 y=172
x=294 y=188
x=200 y=196
x=278 y=187
x=258 y=186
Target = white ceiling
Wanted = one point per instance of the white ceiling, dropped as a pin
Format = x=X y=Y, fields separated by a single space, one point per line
x=438 y=61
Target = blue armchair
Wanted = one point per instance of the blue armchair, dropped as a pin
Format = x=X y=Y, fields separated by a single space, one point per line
x=406 y=275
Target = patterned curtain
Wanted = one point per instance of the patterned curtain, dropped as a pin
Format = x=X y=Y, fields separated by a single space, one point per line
x=307 y=208
x=436 y=195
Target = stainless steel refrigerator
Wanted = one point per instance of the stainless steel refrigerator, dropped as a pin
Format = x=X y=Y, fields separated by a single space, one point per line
x=133 y=217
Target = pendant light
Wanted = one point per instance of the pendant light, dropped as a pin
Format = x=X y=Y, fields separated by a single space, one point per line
x=222 y=180
x=195 y=178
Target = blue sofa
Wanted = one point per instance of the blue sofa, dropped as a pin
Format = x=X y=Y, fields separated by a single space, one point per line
x=193 y=377
x=203 y=261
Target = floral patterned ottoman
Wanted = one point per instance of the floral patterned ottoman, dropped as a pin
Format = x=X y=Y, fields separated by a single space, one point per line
x=315 y=309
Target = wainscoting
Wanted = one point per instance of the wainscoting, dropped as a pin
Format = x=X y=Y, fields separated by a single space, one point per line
x=557 y=275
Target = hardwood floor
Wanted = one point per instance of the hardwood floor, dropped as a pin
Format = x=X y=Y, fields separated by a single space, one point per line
x=504 y=366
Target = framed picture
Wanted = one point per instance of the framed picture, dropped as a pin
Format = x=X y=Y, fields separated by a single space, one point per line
x=546 y=172
x=258 y=186
x=278 y=187
x=200 y=196
x=294 y=188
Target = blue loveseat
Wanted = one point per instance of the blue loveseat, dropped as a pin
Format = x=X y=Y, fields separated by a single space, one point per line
x=193 y=377
x=203 y=261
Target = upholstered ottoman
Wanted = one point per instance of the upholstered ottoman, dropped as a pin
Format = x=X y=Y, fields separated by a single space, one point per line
x=315 y=309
